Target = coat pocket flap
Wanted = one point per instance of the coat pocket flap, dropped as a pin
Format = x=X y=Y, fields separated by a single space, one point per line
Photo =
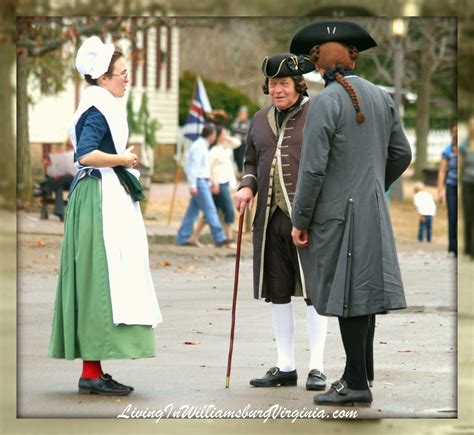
x=329 y=210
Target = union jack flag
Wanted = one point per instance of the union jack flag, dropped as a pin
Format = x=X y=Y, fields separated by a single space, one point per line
x=199 y=106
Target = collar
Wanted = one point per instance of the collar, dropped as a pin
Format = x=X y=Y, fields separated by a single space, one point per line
x=280 y=115
x=330 y=74
x=113 y=110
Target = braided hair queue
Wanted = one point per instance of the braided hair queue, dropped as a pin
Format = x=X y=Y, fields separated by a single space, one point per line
x=352 y=93
x=329 y=55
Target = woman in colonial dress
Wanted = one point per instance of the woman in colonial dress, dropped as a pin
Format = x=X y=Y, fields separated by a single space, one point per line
x=106 y=305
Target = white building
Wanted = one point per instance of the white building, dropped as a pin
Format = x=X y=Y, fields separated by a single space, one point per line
x=155 y=73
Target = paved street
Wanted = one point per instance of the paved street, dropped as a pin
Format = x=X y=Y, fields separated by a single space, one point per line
x=415 y=349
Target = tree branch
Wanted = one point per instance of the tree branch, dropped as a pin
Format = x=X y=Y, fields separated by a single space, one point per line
x=381 y=69
x=101 y=24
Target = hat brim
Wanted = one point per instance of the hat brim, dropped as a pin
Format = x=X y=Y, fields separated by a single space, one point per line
x=318 y=33
x=282 y=69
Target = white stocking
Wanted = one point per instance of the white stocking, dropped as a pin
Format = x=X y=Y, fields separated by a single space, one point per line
x=284 y=327
x=317 y=327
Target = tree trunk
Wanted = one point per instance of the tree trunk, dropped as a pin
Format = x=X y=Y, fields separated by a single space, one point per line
x=7 y=145
x=423 y=112
x=25 y=182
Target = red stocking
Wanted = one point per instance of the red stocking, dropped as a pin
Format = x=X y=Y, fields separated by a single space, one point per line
x=91 y=369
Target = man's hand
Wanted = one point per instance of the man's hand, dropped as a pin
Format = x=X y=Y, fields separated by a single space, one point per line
x=243 y=197
x=300 y=237
x=193 y=191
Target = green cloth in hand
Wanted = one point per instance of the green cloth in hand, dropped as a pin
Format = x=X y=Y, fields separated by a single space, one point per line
x=130 y=182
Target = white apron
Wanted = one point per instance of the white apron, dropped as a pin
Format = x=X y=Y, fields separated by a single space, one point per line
x=132 y=291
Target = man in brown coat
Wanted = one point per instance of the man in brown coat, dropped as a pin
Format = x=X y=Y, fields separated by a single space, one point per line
x=270 y=169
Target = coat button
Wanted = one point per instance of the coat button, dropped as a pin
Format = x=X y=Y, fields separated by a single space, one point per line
x=345 y=305
x=351 y=200
x=349 y=254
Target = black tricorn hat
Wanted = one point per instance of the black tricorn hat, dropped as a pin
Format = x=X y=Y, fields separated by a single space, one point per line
x=285 y=65
x=345 y=32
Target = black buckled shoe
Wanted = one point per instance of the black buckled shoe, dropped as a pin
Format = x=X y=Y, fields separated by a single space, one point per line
x=340 y=394
x=276 y=378
x=109 y=377
x=103 y=386
x=316 y=380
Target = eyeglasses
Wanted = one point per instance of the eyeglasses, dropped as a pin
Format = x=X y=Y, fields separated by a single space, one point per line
x=123 y=74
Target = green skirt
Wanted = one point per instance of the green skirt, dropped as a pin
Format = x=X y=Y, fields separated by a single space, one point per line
x=82 y=323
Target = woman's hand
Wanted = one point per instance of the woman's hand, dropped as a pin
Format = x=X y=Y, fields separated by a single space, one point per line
x=130 y=160
x=243 y=197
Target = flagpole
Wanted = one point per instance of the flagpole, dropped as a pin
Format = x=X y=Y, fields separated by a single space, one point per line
x=179 y=162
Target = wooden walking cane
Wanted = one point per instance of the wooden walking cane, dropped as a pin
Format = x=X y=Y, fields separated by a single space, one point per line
x=176 y=181
x=234 y=299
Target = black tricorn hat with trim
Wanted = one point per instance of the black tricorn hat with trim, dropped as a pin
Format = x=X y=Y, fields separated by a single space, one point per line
x=345 y=32
x=285 y=65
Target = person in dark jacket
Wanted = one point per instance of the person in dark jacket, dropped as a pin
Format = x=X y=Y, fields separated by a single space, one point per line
x=466 y=172
x=240 y=128
x=270 y=169
x=354 y=148
x=448 y=188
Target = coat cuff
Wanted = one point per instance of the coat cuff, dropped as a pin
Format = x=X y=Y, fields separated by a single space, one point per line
x=249 y=180
x=301 y=217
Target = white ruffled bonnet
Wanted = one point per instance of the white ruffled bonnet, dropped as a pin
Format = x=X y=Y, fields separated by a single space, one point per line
x=93 y=57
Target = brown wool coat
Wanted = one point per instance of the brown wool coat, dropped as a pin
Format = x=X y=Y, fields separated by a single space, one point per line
x=266 y=148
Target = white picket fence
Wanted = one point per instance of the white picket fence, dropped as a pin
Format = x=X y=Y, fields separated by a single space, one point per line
x=437 y=141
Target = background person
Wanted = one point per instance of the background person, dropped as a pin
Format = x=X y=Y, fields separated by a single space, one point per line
x=448 y=188
x=240 y=128
x=60 y=172
x=198 y=173
x=466 y=152
x=223 y=180
x=426 y=207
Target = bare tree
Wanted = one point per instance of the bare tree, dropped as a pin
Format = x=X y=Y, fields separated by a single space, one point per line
x=429 y=69
x=40 y=42
x=230 y=50
x=437 y=55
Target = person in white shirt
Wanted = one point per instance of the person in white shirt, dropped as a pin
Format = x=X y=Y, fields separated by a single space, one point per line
x=223 y=180
x=426 y=208
x=198 y=174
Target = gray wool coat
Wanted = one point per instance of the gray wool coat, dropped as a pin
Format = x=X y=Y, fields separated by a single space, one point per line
x=351 y=265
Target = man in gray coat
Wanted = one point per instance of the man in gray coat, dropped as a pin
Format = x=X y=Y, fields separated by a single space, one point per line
x=272 y=157
x=354 y=147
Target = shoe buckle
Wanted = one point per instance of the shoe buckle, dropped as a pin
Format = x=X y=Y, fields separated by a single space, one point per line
x=275 y=372
x=339 y=387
